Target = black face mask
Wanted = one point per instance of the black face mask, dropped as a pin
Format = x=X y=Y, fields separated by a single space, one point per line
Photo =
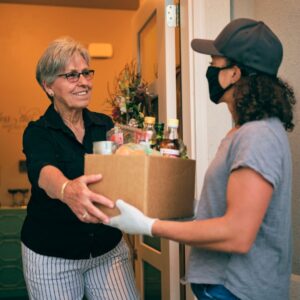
x=215 y=90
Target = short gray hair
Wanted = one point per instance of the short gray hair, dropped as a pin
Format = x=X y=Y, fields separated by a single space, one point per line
x=56 y=57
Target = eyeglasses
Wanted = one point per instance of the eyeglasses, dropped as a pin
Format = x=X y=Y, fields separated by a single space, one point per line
x=74 y=76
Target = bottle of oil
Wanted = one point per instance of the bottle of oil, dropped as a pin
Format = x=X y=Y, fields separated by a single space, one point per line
x=149 y=136
x=170 y=146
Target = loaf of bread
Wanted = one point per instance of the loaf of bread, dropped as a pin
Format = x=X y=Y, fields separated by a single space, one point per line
x=136 y=149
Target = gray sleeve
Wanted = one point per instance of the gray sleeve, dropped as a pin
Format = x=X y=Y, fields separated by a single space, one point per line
x=257 y=147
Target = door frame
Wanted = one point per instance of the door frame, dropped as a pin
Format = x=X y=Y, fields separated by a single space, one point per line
x=200 y=19
x=167 y=259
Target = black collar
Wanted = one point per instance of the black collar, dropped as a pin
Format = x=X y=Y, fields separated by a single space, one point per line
x=54 y=120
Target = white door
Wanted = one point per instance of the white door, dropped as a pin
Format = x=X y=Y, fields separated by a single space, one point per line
x=157 y=260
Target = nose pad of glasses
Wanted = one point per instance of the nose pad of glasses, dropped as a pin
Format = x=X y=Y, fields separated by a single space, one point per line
x=86 y=75
x=81 y=78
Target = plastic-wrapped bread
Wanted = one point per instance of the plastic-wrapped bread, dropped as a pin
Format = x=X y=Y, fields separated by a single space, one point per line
x=131 y=149
x=136 y=149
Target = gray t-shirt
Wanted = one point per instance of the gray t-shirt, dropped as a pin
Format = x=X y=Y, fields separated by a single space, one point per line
x=264 y=272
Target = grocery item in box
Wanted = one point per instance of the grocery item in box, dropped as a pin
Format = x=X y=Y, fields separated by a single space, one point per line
x=123 y=134
x=136 y=149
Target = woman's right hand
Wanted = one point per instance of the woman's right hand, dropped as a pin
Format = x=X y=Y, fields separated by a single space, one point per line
x=131 y=220
x=81 y=199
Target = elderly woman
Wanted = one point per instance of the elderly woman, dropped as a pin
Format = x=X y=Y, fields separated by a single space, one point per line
x=67 y=250
x=241 y=236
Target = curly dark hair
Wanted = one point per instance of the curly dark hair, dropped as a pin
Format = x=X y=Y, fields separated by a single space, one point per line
x=261 y=96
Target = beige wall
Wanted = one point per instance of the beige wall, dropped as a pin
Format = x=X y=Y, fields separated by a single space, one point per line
x=148 y=50
x=25 y=31
x=283 y=18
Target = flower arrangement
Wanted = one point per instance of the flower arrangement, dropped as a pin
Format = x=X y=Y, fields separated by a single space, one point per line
x=130 y=100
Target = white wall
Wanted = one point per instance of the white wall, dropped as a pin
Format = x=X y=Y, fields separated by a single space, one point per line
x=210 y=122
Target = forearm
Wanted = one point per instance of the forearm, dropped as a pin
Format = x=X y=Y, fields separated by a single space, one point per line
x=220 y=234
x=51 y=181
x=75 y=194
x=248 y=197
x=213 y=234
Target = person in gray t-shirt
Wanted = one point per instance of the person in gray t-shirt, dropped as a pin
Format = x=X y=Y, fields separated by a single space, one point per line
x=241 y=235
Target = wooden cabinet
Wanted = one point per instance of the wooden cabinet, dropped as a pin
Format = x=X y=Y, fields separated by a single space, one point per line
x=12 y=282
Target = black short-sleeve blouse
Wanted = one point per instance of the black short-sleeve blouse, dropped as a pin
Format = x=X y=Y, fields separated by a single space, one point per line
x=50 y=227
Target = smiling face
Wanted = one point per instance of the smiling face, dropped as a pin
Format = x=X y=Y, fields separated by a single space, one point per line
x=71 y=95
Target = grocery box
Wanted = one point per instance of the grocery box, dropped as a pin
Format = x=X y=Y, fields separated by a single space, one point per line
x=161 y=187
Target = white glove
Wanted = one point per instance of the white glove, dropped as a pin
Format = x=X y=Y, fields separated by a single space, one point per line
x=131 y=220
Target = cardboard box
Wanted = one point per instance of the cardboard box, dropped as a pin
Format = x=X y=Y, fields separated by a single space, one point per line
x=160 y=187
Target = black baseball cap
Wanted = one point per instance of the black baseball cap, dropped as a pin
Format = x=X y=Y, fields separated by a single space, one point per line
x=247 y=42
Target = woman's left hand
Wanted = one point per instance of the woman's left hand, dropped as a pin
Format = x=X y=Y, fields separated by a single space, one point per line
x=81 y=199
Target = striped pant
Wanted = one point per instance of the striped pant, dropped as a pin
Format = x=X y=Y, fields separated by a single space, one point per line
x=108 y=277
